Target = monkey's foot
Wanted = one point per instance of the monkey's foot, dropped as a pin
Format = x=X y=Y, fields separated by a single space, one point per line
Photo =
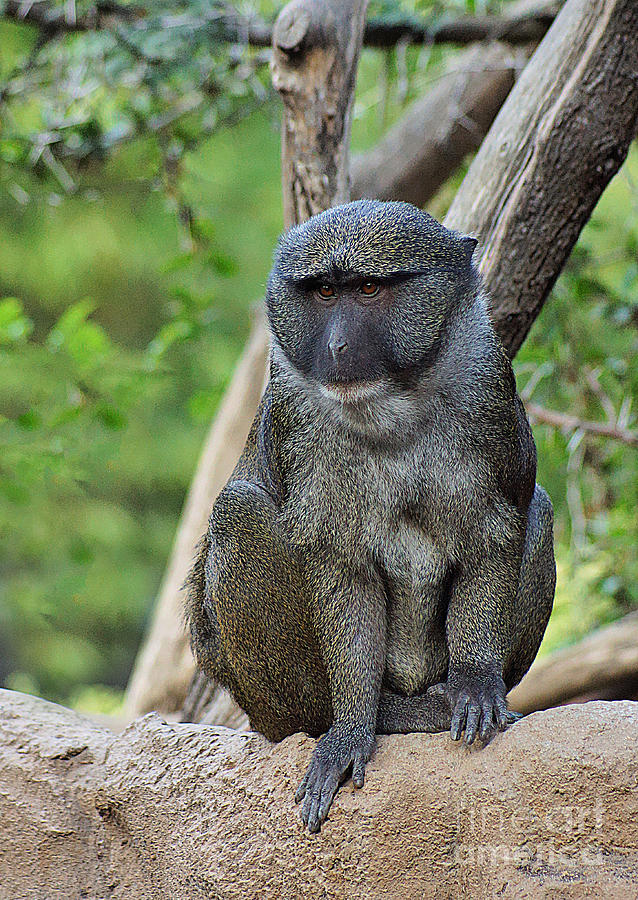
x=477 y=703
x=339 y=749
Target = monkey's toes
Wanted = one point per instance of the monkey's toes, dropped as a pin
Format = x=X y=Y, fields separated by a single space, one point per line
x=477 y=705
x=321 y=785
x=339 y=751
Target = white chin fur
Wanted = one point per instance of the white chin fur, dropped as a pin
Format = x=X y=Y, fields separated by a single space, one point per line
x=352 y=393
x=368 y=407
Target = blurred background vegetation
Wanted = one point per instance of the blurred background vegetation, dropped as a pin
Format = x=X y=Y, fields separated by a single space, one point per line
x=139 y=205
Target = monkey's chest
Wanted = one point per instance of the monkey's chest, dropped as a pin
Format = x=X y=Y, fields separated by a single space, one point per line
x=371 y=513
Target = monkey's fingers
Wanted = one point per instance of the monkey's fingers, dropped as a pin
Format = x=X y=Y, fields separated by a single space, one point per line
x=359 y=770
x=310 y=808
x=472 y=721
x=313 y=821
x=487 y=720
x=328 y=791
x=500 y=713
x=459 y=715
x=321 y=788
x=301 y=790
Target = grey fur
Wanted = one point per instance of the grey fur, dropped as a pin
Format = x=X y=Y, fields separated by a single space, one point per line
x=381 y=559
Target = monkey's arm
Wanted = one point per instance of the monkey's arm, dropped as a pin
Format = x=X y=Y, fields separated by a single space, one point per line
x=478 y=628
x=350 y=623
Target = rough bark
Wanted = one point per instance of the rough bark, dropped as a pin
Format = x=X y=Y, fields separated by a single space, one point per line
x=597 y=664
x=192 y=812
x=316 y=48
x=556 y=143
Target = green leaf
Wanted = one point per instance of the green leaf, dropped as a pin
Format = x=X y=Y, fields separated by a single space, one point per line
x=222 y=263
x=30 y=420
x=111 y=417
x=14 y=325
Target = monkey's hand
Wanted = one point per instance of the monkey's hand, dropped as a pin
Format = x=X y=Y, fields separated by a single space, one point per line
x=477 y=703
x=339 y=749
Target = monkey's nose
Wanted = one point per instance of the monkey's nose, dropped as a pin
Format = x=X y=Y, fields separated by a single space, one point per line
x=337 y=347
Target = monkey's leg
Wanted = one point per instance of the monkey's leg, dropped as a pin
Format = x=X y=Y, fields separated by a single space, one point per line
x=422 y=713
x=536 y=588
x=405 y=715
x=492 y=646
x=351 y=624
x=255 y=596
x=529 y=615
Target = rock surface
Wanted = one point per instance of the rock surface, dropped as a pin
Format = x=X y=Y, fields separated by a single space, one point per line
x=548 y=809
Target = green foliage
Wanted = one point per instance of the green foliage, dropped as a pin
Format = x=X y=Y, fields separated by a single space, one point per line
x=104 y=405
x=170 y=73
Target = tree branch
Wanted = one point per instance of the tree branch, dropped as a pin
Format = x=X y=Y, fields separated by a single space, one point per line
x=562 y=134
x=426 y=146
x=191 y=812
x=382 y=34
x=316 y=50
x=53 y=21
x=233 y=28
x=602 y=659
x=571 y=423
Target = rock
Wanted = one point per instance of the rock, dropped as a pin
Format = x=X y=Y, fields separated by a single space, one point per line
x=548 y=809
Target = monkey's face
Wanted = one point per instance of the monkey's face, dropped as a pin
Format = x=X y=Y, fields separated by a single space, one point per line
x=359 y=296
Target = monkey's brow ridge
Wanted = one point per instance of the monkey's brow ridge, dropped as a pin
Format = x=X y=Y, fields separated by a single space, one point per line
x=330 y=275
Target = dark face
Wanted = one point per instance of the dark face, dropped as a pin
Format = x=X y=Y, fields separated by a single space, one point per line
x=359 y=295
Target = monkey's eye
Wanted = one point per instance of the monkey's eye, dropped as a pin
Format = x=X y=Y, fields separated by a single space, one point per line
x=326 y=291
x=369 y=288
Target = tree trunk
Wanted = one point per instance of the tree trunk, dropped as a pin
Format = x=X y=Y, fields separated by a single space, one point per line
x=559 y=139
x=316 y=48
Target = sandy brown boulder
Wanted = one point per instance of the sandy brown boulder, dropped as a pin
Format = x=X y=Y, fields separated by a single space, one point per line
x=549 y=809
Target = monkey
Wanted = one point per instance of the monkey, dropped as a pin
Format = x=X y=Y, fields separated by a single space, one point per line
x=381 y=559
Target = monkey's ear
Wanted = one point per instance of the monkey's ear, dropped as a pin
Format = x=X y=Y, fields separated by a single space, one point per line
x=469 y=245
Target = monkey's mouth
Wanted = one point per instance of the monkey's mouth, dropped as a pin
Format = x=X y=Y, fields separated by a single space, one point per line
x=352 y=391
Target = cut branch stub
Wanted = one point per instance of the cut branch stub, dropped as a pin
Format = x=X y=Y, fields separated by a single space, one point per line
x=291 y=28
x=316 y=49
